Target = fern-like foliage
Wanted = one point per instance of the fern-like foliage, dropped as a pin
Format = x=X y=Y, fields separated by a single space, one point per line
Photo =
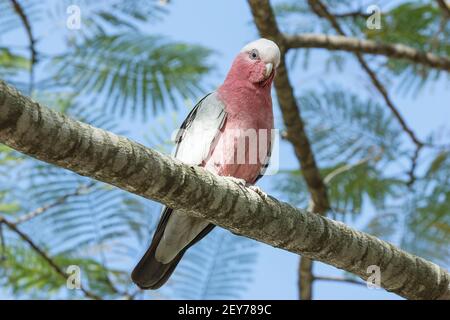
x=101 y=16
x=133 y=73
x=345 y=127
x=418 y=219
x=360 y=150
x=98 y=227
x=428 y=212
x=10 y=20
x=95 y=14
x=27 y=274
x=97 y=214
x=418 y=24
x=354 y=140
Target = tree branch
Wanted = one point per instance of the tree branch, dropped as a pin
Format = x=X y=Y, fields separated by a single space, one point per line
x=37 y=212
x=343 y=43
x=444 y=7
x=26 y=23
x=295 y=130
x=53 y=137
x=306 y=278
x=353 y=14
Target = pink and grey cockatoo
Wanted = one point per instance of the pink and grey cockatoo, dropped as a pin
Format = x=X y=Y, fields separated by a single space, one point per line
x=243 y=102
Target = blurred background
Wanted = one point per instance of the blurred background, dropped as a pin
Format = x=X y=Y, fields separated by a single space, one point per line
x=137 y=67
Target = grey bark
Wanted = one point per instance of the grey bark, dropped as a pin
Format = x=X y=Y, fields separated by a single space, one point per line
x=444 y=7
x=344 y=43
x=53 y=137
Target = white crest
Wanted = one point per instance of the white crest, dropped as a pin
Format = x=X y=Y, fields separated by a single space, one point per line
x=267 y=49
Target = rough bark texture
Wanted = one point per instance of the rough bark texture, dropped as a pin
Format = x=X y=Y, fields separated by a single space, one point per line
x=445 y=8
x=295 y=131
x=338 y=42
x=54 y=138
x=306 y=278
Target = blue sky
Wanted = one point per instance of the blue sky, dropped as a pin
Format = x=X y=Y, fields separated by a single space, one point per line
x=225 y=26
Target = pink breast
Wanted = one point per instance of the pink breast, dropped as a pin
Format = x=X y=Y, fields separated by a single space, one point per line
x=242 y=147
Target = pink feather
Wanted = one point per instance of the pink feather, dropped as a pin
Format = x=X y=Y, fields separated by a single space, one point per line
x=246 y=95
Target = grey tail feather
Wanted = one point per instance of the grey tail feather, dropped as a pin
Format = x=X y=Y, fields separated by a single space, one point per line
x=149 y=273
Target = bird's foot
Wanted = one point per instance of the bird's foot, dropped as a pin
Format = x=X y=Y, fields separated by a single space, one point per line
x=243 y=183
x=259 y=191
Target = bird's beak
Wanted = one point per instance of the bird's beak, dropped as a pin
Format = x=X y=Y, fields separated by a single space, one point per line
x=269 y=68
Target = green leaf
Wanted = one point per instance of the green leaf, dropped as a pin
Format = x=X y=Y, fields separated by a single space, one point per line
x=9 y=60
x=438 y=162
x=9 y=208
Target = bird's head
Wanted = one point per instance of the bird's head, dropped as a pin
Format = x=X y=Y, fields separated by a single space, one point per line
x=256 y=62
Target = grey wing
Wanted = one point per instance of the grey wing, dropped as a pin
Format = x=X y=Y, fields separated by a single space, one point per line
x=266 y=161
x=199 y=132
x=177 y=232
x=195 y=140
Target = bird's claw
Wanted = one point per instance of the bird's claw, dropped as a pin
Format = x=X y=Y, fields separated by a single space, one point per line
x=243 y=183
x=259 y=191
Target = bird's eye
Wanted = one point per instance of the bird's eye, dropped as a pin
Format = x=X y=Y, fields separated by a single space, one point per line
x=254 y=54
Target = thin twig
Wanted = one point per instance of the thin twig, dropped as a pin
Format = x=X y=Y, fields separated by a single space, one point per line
x=412 y=170
x=2 y=244
x=434 y=41
x=352 y=14
x=347 y=167
x=37 y=212
x=33 y=53
x=44 y=255
x=339 y=279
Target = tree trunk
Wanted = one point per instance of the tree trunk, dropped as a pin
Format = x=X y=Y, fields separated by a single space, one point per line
x=305 y=278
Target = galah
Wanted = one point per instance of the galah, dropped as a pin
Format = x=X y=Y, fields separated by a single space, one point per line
x=241 y=104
